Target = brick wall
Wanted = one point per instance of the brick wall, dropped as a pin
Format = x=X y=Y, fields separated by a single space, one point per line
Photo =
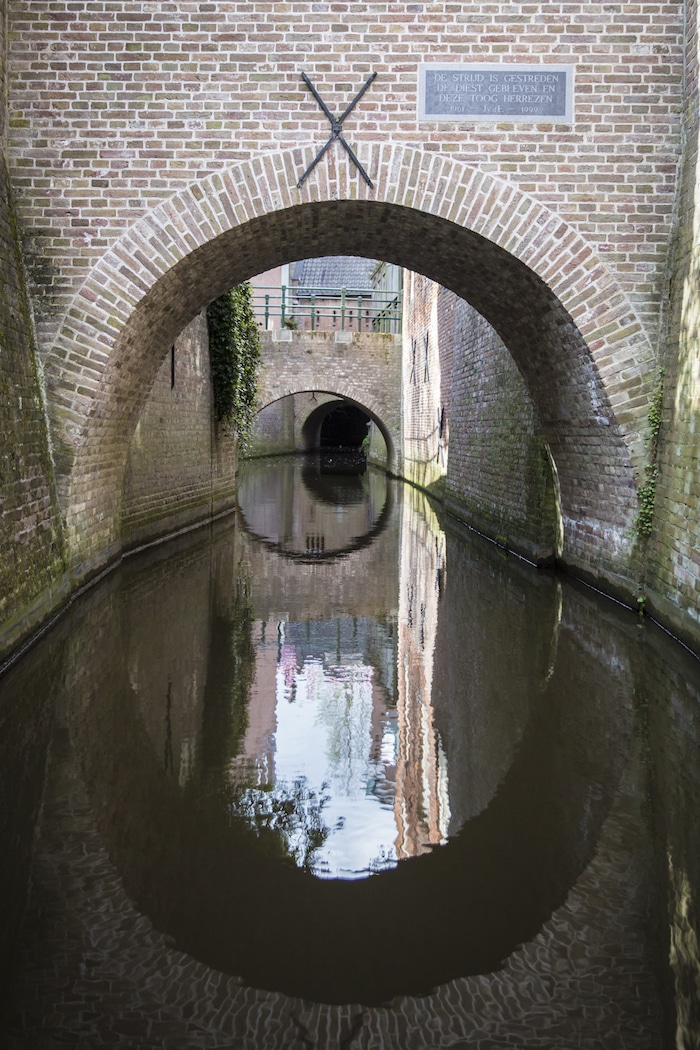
x=120 y=104
x=181 y=466
x=674 y=555
x=122 y=107
x=274 y=432
x=426 y=390
x=32 y=580
x=471 y=432
x=499 y=473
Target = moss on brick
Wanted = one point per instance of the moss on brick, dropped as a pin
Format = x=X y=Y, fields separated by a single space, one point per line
x=31 y=536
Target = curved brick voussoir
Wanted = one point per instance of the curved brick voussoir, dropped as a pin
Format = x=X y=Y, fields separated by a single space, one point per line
x=571 y=329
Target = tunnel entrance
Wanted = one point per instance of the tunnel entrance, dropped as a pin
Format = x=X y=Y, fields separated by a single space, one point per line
x=344 y=428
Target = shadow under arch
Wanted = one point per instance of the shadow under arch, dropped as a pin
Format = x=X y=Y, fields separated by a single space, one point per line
x=514 y=260
x=316 y=423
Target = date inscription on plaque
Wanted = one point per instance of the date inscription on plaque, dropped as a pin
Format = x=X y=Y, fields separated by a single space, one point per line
x=495 y=92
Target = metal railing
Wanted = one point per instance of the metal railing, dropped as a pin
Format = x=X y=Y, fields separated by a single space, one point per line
x=328 y=309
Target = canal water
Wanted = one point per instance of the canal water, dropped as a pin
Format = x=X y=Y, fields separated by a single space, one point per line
x=336 y=772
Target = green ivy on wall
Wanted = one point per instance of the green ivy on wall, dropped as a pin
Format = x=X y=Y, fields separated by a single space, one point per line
x=234 y=350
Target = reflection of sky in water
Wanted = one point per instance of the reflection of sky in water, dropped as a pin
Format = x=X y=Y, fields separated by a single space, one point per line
x=324 y=734
x=325 y=712
x=342 y=758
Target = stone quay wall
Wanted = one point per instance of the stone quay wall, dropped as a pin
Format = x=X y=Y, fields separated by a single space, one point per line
x=181 y=465
x=673 y=578
x=32 y=551
x=426 y=385
x=499 y=473
x=275 y=430
x=471 y=432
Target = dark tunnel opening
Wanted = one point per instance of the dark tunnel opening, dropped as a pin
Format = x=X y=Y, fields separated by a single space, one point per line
x=344 y=428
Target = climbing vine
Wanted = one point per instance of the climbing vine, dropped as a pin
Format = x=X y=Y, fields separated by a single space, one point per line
x=234 y=350
x=647 y=491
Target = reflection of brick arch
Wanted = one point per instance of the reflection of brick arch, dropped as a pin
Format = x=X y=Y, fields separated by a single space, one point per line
x=570 y=328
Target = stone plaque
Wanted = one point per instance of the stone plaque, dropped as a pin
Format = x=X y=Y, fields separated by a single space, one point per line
x=495 y=92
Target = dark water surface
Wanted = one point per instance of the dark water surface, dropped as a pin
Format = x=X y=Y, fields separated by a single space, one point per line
x=337 y=773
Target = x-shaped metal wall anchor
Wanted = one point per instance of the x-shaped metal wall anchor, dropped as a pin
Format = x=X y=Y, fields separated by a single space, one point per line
x=336 y=129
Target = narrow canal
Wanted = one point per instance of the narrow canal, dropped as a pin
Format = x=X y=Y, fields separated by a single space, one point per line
x=336 y=772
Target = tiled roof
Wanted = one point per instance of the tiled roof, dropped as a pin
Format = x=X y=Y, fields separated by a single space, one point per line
x=333 y=272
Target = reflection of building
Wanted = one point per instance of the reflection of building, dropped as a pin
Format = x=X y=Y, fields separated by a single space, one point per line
x=422 y=805
x=168 y=632
x=361 y=690
x=319 y=750
x=257 y=755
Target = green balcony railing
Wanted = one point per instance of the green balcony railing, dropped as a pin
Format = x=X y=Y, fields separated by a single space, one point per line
x=328 y=309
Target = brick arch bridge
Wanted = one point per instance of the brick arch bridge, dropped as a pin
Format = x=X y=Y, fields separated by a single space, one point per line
x=363 y=368
x=568 y=324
